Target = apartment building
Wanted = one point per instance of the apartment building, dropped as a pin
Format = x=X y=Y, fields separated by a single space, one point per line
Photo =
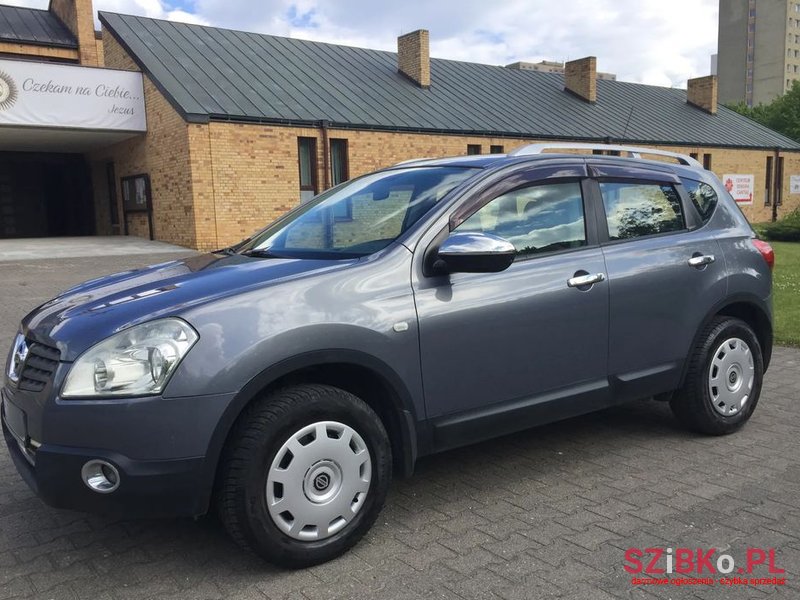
x=758 y=49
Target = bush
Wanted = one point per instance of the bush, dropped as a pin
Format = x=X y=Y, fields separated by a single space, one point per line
x=785 y=230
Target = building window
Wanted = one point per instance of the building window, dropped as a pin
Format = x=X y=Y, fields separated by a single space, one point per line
x=496 y=149
x=778 y=195
x=137 y=198
x=340 y=172
x=693 y=155
x=307 y=158
x=340 y=164
x=707 y=162
x=768 y=182
x=473 y=149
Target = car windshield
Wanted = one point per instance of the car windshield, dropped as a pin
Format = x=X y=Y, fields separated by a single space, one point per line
x=358 y=217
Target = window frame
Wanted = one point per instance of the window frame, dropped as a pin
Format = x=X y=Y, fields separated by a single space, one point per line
x=342 y=143
x=601 y=171
x=691 y=219
x=541 y=183
x=524 y=177
x=689 y=204
x=314 y=187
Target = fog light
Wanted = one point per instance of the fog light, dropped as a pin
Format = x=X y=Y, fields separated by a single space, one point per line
x=100 y=476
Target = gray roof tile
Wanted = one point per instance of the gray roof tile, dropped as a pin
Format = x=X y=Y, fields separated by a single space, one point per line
x=33 y=26
x=212 y=73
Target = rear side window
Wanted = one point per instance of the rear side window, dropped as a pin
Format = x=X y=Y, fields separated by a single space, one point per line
x=640 y=209
x=703 y=197
x=536 y=219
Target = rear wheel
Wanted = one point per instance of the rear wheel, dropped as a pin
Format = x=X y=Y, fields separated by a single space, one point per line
x=305 y=476
x=723 y=383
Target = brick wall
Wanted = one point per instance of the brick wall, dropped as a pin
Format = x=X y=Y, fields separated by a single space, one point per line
x=580 y=77
x=752 y=162
x=99 y=49
x=413 y=56
x=35 y=51
x=702 y=92
x=78 y=16
x=115 y=56
x=215 y=184
x=163 y=154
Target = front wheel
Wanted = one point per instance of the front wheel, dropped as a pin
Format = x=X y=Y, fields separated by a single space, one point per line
x=305 y=476
x=723 y=383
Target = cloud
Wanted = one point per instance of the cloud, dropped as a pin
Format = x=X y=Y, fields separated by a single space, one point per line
x=649 y=41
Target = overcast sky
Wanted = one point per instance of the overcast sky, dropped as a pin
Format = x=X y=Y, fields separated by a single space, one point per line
x=661 y=42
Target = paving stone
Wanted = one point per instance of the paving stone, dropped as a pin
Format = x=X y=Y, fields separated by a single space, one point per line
x=546 y=513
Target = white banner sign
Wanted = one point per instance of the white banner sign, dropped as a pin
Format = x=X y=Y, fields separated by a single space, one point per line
x=794 y=184
x=43 y=94
x=740 y=187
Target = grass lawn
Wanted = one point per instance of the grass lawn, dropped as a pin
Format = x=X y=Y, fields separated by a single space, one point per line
x=786 y=290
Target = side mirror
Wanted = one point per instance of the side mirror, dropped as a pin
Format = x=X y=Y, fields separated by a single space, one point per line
x=474 y=252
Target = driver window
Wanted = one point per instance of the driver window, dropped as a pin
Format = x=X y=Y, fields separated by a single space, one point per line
x=535 y=219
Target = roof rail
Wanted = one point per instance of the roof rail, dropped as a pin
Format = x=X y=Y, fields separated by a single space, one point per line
x=632 y=151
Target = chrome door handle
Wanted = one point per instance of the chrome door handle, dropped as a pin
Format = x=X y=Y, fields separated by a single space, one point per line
x=700 y=261
x=582 y=280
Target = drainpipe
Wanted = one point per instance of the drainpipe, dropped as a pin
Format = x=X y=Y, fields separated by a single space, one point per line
x=327 y=214
x=777 y=184
x=326 y=153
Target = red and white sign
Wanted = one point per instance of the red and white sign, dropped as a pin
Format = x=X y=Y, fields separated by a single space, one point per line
x=740 y=187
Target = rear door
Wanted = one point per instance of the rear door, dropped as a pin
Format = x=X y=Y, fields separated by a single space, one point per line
x=665 y=273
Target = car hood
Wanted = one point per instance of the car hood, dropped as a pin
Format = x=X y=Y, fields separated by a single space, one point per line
x=85 y=314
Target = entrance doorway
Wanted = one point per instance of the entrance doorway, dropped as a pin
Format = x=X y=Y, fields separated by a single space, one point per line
x=45 y=195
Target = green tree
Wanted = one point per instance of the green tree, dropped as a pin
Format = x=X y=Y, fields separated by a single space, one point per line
x=782 y=114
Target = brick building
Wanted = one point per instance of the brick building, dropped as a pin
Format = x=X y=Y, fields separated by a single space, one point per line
x=240 y=127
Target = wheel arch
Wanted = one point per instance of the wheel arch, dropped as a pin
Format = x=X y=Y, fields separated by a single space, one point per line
x=750 y=309
x=361 y=374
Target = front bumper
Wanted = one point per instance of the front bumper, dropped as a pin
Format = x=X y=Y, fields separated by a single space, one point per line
x=167 y=476
x=164 y=488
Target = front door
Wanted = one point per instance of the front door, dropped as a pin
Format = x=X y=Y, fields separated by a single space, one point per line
x=527 y=345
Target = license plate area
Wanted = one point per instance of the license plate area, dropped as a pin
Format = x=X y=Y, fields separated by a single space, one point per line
x=15 y=420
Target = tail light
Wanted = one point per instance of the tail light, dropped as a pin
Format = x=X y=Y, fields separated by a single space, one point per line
x=766 y=251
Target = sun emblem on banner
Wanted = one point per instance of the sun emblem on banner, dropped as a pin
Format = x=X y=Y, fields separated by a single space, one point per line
x=8 y=91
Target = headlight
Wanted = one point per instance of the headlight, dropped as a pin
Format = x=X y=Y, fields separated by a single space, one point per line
x=134 y=362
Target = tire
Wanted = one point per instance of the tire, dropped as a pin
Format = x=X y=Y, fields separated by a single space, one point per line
x=287 y=479
x=723 y=383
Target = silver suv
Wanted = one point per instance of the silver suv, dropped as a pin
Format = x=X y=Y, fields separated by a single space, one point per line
x=425 y=306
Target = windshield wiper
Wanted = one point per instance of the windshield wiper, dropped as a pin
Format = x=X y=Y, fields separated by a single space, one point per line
x=258 y=253
x=229 y=251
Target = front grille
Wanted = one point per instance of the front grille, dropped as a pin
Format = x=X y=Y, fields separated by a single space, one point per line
x=40 y=366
